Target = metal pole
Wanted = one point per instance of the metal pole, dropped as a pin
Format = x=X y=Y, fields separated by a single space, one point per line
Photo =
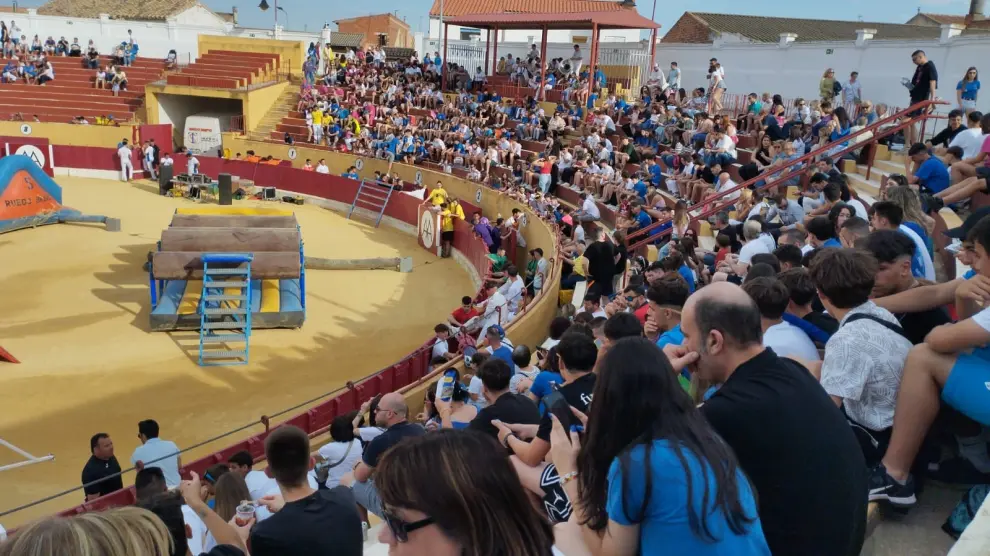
x=276 y=18
x=488 y=47
x=591 y=69
x=444 y=64
x=653 y=49
x=541 y=94
x=495 y=52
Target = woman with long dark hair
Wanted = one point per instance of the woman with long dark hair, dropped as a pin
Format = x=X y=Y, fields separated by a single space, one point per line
x=650 y=475
x=454 y=493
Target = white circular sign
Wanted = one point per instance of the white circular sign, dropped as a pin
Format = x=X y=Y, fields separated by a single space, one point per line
x=292 y=153
x=523 y=220
x=359 y=164
x=32 y=152
x=427 y=230
x=419 y=177
x=477 y=196
x=26 y=129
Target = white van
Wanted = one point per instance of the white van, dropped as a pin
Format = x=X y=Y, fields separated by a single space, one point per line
x=202 y=133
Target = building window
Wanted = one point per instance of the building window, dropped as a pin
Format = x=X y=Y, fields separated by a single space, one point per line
x=468 y=34
x=382 y=39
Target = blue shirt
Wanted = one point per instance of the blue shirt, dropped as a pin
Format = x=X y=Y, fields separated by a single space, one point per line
x=933 y=174
x=643 y=219
x=969 y=89
x=640 y=189
x=664 y=526
x=832 y=242
x=969 y=274
x=504 y=353
x=688 y=276
x=672 y=337
x=351 y=175
x=541 y=385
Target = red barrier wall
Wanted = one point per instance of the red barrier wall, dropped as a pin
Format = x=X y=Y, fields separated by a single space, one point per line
x=401 y=207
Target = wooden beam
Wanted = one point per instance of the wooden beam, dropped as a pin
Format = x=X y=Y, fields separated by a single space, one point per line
x=394 y=263
x=180 y=265
x=216 y=221
x=231 y=240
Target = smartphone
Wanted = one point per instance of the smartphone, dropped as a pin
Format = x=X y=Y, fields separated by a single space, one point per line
x=556 y=404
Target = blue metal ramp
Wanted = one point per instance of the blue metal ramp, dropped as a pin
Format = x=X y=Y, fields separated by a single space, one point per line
x=372 y=196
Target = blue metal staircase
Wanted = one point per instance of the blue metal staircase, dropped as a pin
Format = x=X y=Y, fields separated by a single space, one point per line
x=225 y=315
x=372 y=196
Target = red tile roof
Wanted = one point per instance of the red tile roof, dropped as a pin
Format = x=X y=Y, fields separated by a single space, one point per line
x=454 y=8
x=625 y=19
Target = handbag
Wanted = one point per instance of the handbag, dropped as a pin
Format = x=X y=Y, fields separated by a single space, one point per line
x=323 y=471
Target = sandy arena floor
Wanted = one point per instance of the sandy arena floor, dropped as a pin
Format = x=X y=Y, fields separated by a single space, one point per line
x=74 y=309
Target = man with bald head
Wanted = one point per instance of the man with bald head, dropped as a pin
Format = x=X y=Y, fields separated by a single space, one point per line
x=393 y=413
x=791 y=440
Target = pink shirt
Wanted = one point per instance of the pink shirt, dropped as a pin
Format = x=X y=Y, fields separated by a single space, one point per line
x=986 y=150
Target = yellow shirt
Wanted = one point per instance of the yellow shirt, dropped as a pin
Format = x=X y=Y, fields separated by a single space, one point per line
x=446 y=222
x=580 y=266
x=438 y=196
x=327 y=119
x=318 y=117
x=458 y=210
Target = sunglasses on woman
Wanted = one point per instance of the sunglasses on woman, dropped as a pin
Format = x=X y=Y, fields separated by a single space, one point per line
x=400 y=529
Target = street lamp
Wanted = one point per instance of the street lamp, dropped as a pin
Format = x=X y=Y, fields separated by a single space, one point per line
x=263 y=6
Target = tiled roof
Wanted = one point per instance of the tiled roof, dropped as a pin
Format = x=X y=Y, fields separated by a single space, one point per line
x=399 y=53
x=768 y=29
x=453 y=8
x=945 y=18
x=117 y=9
x=346 y=40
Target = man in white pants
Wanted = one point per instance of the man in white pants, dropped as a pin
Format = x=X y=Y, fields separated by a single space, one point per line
x=126 y=165
x=149 y=160
x=576 y=60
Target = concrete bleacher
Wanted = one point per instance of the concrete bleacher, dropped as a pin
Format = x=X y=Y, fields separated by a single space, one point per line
x=73 y=92
x=227 y=69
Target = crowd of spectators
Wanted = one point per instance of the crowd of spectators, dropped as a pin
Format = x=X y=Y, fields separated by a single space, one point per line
x=749 y=400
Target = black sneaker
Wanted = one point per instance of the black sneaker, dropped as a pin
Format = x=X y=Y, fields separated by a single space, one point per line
x=883 y=487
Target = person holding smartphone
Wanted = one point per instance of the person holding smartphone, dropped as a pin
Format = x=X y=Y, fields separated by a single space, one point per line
x=577 y=356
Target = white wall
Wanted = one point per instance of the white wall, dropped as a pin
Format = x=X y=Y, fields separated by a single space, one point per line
x=796 y=70
x=155 y=38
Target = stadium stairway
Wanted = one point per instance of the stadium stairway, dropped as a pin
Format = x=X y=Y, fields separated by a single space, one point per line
x=73 y=92
x=280 y=109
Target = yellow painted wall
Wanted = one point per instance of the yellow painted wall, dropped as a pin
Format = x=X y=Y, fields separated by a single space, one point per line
x=72 y=135
x=259 y=101
x=292 y=52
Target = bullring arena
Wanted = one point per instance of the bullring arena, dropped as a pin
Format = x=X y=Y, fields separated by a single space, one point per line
x=76 y=316
x=77 y=303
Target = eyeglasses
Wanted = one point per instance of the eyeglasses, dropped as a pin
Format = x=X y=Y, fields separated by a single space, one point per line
x=401 y=529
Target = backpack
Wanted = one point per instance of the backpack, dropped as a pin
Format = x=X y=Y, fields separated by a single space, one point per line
x=965 y=511
x=836 y=87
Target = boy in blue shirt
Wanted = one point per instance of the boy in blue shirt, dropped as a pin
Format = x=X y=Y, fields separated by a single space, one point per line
x=931 y=173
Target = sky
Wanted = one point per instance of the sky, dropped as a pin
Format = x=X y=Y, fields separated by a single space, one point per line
x=312 y=14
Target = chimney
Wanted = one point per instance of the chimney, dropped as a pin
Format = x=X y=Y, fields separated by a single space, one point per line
x=977 y=9
x=786 y=39
x=233 y=13
x=950 y=30
x=863 y=35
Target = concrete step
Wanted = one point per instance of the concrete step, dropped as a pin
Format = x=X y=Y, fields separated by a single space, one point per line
x=865 y=186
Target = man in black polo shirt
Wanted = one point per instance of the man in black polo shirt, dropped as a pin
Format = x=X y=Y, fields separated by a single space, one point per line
x=393 y=413
x=103 y=467
x=601 y=261
x=503 y=406
x=306 y=521
x=791 y=439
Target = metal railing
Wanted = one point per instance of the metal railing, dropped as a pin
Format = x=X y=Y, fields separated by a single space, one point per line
x=794 y=168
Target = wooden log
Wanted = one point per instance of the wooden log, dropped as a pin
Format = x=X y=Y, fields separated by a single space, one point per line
x=217 y=221
x=317 y=263
x=231 y=240
x=180 y=265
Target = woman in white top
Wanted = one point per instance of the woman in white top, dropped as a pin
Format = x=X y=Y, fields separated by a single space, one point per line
x=453 y=492
x=339 y=456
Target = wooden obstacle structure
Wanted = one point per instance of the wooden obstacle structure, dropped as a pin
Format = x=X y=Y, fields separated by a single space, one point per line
x=401 y=264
